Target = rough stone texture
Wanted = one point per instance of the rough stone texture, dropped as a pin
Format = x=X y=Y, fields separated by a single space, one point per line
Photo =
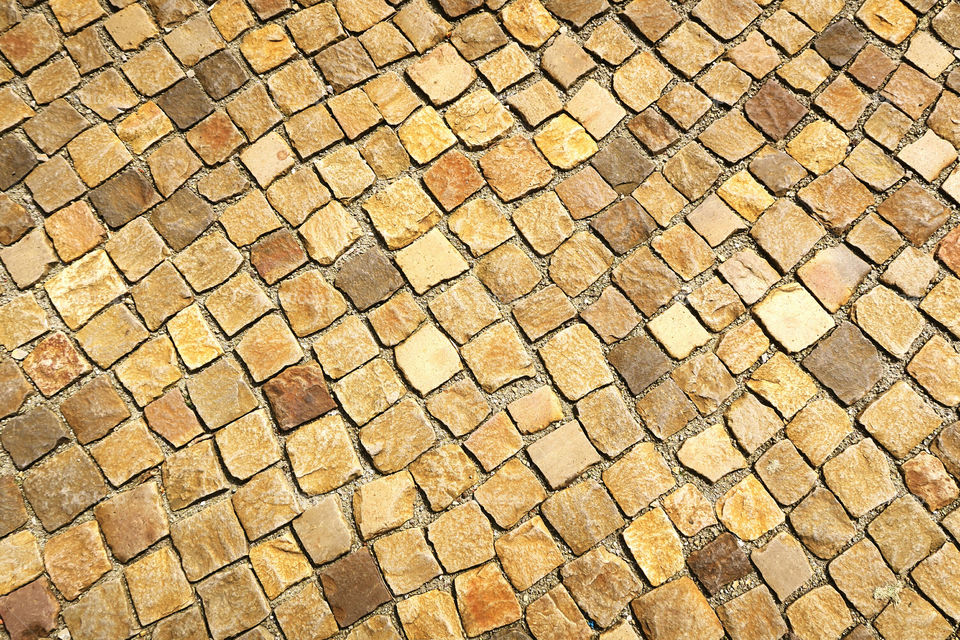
x=522 y=378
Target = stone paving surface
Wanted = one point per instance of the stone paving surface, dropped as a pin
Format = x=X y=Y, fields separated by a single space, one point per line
x=512 y=319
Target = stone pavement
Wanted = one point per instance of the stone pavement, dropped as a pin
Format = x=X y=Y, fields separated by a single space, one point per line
x=512 y=319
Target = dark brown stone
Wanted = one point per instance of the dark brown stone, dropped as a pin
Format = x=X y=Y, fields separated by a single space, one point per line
x=914 y=212
x=185 y=103
x=170 y=416
x=30 y=436
x=298 y=394
x=345 y=64
x=839 y=42
x=16 y=160
x=93 y=410
x=719 y=563
x=31 y=611
x=861 y=633
x=368 y=278
x=221 y=74
x=14 y=220
x=653 y=130
x=622 y=165
x=624 y=225
x=775 y=110
x=277 y=255
x=354 y=587
x=123 y=197
x=63 y=486
x=639 y=361
x=778 y=171
x=182 y=218
x=14 y=388
x=133 y=520
x=13 y=512
x=846 y=362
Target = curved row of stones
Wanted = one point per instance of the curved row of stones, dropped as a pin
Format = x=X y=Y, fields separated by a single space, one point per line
x=461 y=318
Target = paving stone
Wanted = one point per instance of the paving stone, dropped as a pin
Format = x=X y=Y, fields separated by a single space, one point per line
x=72 y=469
x=752 y=615
x=132 y=521
x=31 y=610
x=31 y=435
x=555 y=614
x=822 y=524
x=861 y=573
x=748 y=510
x=689 y=510
x=601 y=583
x=429 y=615
x=323 y=531
x=675 y=610
x=208 y=540
x=719 y=563
x=509 y=493
x=528 y=553
x=191 y=474
x=783 y=384
x=741 y=346
x=915 y=419
x=103 y=612
x=583 y=514
x=235 y=586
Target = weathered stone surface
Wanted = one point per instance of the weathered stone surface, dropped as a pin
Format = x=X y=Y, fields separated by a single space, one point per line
x=822 y=524
x=157 y=585
x=323 y=531
x=677 y=610
x=431 y=614
x=719 y=562
x=354 y=587
x=655 y=546
x=232 y=601
x=485 y=600
x=31 y=611
x=103 y=612
x=860 y=572
x=601 y=583
x=583 y=514
x=63 y=486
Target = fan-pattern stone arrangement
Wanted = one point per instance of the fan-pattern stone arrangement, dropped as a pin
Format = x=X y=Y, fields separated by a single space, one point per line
x=509 y=319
